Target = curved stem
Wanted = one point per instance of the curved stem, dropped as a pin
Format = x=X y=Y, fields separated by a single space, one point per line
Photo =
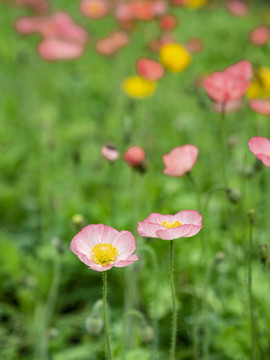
x=174 y=309
x=107 y=336
x=251 y=305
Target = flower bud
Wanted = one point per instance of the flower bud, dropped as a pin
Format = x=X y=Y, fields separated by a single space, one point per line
x=135 y=157
x=251 y=215
x=147 y=333
x=110 y=152
x=263 y=252
x=233 y=195
x=77 y=221
x=94 y=325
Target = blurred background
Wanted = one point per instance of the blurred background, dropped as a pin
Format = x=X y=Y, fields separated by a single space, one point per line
x=57 y=111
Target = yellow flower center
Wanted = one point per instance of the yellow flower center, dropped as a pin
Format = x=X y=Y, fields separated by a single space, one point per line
x=103 y=254
x=171 y=224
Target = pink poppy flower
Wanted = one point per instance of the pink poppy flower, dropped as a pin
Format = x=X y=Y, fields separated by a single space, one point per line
x=261 y=106
x=123 y=12
x=112 y=43
x=260 y=147
x=94 y=9
x=52 y=49
x=229 y=106
x=180 y=160
x=149 y=69
x=185 y=223
x=260 y=35
x=28 y=25
x=142 y=10
x=168 y=22
x=237 y=7
x=243 y=69
x=110 y=152
x=101 y=247
x=222 y=87
x=134 y=156
x=159 y=7
x=194 y=45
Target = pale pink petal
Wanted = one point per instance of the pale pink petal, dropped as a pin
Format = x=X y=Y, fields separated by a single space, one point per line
x=57 y=49
x=98 y=267
x=237 y=7
x=259 y=145
x=126 y=262
x=229 y=106
x=125 y=243
x=242 y=69
x=189 y=217
x=261 y=106
x=260 y=35
x=178 y=232
x=265 y=159
x=148 y=229
x=180 y=160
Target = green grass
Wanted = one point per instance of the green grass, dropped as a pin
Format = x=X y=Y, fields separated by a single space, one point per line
x=55 y=117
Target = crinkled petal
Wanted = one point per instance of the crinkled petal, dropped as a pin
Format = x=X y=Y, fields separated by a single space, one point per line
x=125 y=243
x=259 y=145
x=130 y=260
x=189 y=217
x=149 y=229
x=180 y=231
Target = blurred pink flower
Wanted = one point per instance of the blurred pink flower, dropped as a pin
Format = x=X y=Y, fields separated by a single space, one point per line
x=237 y=7
x=94 y=9
x=180 y=160
x=185 y=223
x=194 y=45
x=168 y=22
x=260 y=147
x=101 y=247
x=134 y=156
x=242 y=69
x=52 y=49
x=229 y=106
x=222 y=87
x=260 y=35
x=110 y=152
x=149 y=69
x=261 y=106
x=112 y=43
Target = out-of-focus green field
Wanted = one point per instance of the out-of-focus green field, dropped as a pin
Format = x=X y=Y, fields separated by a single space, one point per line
x=55 y=117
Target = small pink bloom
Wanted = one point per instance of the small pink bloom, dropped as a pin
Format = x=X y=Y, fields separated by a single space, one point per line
x=260 y=35
x=229 y=106
x=52 y=49
x=242 y=69
x=110 y=152
x=194 y=45
x=94 y=9
x=101 y=247
x=168 y=22
x=112 y=43
x=237 y=7
x=185 y=223
x=180 y=160
x=222 y=87
x=123 y=12
x=159 y=7
x=134 y=156
x=142 y=10
x=260 y=147
x=149 y=69
x=261 y=106
x=28 y=25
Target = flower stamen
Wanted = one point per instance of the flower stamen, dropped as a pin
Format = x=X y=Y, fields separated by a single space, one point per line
x=171 y=224
x=103 y=254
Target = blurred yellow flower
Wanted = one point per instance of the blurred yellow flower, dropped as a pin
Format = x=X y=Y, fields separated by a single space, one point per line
x=174 y=57
x=195 y=4
x=260 y=86
x=137 y=87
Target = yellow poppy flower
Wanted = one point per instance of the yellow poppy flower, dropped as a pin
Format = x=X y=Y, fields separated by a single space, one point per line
x=260 y=86
x=174 y=57
x=195 y=4
x=137 y=87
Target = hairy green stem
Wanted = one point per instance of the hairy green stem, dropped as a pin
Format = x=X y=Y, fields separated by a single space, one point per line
x=250 y=296
x=106 y=324
x=174 y=309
